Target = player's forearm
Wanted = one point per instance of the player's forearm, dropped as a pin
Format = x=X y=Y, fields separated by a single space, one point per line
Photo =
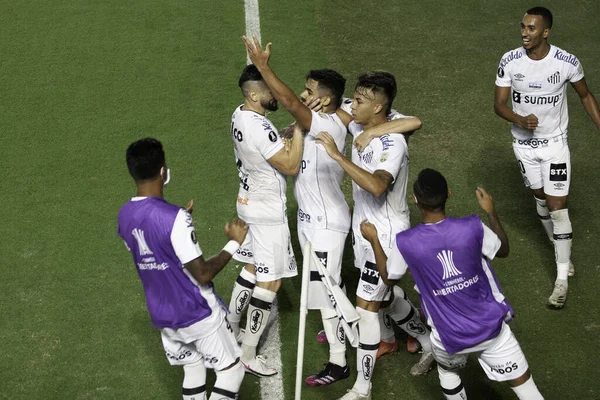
x=504 y=111
x=381 y=261
x=591 y=106
x=362 y=178
x=295 y=153
x=401 y=125
x=280 y=90
x=496 y=226
x=215 y=264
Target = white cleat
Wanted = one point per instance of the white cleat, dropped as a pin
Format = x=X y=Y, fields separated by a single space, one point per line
x=424 y=365
x=571 y=269
x=559 y=294
x=353 y=394
x=258 y=366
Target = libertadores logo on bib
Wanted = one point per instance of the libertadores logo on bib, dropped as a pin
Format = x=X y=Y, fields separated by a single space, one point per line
x=450 y=270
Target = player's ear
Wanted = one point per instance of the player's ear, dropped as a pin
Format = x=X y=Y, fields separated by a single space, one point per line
x=378 y=108
x=414 y=199
x=253 y=96
x=325 y=101
x=449 y=193
x=546 y=33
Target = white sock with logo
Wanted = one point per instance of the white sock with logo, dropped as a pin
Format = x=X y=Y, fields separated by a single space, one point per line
x=366 y=354
x=335 y=336
x=240 y=298
x=194 y=381
x=544 y=214
x=258 y=315
x=385 y=325
x=406 y=316
x=528 y=391
x=563 y=236
x=451 y=384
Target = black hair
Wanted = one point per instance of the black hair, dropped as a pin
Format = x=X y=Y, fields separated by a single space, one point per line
x=332 y=80
x=544 y=12
x=378 y=82
x=145 y=158
x=431 y=190
x=250 y=73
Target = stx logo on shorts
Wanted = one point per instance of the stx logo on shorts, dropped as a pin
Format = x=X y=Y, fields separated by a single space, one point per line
x=367 y=364
x=558 y=172
x=256 y=320
x=519 y=98
x=370 y=274
x=241 y=300
x=450 y=270
x=322 y=256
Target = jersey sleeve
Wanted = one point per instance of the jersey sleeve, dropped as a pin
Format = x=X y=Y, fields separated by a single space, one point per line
x=491 y=243
x=396 y=264
x=266 y=140
x=321 y=122
x=503 y=78
x=394 y=115
x=183 y=238
x=346 y=105
x=575 y=72
x=391 y=156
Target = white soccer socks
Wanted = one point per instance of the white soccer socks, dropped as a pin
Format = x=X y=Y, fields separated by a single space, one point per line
x=563 y=235
x=385 y=325
x=544 y=214
x=366 y=354
x=194 y=381
x=228 y=383
x=451 y=384
x=258 y=315
x=240 y=298
x=335 y=336
x=528 y=391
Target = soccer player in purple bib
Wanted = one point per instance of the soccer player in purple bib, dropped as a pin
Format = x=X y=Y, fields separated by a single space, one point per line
x=449 y=261
x=177 y=279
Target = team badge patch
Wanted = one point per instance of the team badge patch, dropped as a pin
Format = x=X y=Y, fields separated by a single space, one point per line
x=501 y=72
x=272 y=136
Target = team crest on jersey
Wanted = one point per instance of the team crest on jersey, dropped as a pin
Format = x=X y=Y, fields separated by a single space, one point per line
x=272 y=136
x=554 y=78
x=501 y=72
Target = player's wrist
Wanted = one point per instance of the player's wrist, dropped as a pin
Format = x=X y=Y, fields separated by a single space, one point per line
x=231 y=247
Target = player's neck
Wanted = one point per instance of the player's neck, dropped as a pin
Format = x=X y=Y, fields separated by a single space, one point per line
x=257 y=108
x=539 y=52
x=150 y=189
x=377 y=119
x=432 y=217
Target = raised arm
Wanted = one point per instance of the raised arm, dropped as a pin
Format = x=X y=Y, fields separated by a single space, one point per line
x=487 y=204
x=203 y=270
x=503 y=110
x=589 y=101
x=399 y=125
x=283 y=94
x=288 y=159
x=375 y=183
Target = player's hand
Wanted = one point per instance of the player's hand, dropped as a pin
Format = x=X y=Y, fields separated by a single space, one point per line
x=237 y=230
x=190 y=206
x=258 y=56
x=325 y=139
x=485 y=200
x=362 y=140
x=368 y=231
x=314 y=104
x=529 y=122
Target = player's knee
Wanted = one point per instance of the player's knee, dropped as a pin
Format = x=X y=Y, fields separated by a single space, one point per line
x=194 y=379
x=449 y=379
x=228 y=382
x=556 y=203
x=520 y=380
x=272 y=286
x=250 y=268
x=539 y=193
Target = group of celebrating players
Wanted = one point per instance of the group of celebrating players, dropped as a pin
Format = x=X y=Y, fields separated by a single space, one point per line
x=464 y=310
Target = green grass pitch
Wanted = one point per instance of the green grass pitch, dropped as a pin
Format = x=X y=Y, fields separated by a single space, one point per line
x=80 y=80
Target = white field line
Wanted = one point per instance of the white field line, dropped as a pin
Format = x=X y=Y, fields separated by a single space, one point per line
x=270 y=388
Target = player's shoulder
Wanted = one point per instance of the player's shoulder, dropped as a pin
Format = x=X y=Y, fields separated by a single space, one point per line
x=561 y=55
x=512 y=57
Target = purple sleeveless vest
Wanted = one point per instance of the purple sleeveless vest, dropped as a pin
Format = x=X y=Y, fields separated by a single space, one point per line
x=456 y=284
x=173 y=300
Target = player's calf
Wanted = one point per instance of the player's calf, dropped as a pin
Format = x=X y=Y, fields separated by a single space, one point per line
x=194 y=381
x=240 y=298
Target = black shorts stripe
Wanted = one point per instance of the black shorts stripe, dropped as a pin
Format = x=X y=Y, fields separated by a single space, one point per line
x=244 y=282
x=563 y=236
x=258 y=303
x=544 y=216
x=224 y=392
x=408 y=317
x=456 y=390
x=368 y=346
x=314 y=276
x=193 y=391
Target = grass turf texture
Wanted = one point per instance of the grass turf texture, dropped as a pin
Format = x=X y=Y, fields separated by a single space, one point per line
x=80 y=81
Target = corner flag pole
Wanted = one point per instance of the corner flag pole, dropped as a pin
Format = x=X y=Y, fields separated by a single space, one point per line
x=303 y=312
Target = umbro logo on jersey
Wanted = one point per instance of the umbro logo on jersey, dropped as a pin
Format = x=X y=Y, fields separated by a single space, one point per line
x=554 y=78
x=450 y=270
x=138 y=234
x=519 y=77
x=558 y=172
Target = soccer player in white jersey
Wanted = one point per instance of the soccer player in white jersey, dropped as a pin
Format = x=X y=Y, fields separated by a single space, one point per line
x=379 y=174
x=263 y=161
x=537 y=74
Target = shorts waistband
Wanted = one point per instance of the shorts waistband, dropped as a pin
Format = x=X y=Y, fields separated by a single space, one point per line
x=535 y=143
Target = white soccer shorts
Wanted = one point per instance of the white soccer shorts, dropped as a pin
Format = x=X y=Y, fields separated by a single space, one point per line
x=329 y=247
x=501 y=357
x=545 y=163
x=370 y=285
x=269 y=248
x=218 y=350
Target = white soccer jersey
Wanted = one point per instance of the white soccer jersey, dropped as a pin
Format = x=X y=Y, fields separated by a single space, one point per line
x=317 y=187
x=261 y=198
x=539 y=87
x=389 y=212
